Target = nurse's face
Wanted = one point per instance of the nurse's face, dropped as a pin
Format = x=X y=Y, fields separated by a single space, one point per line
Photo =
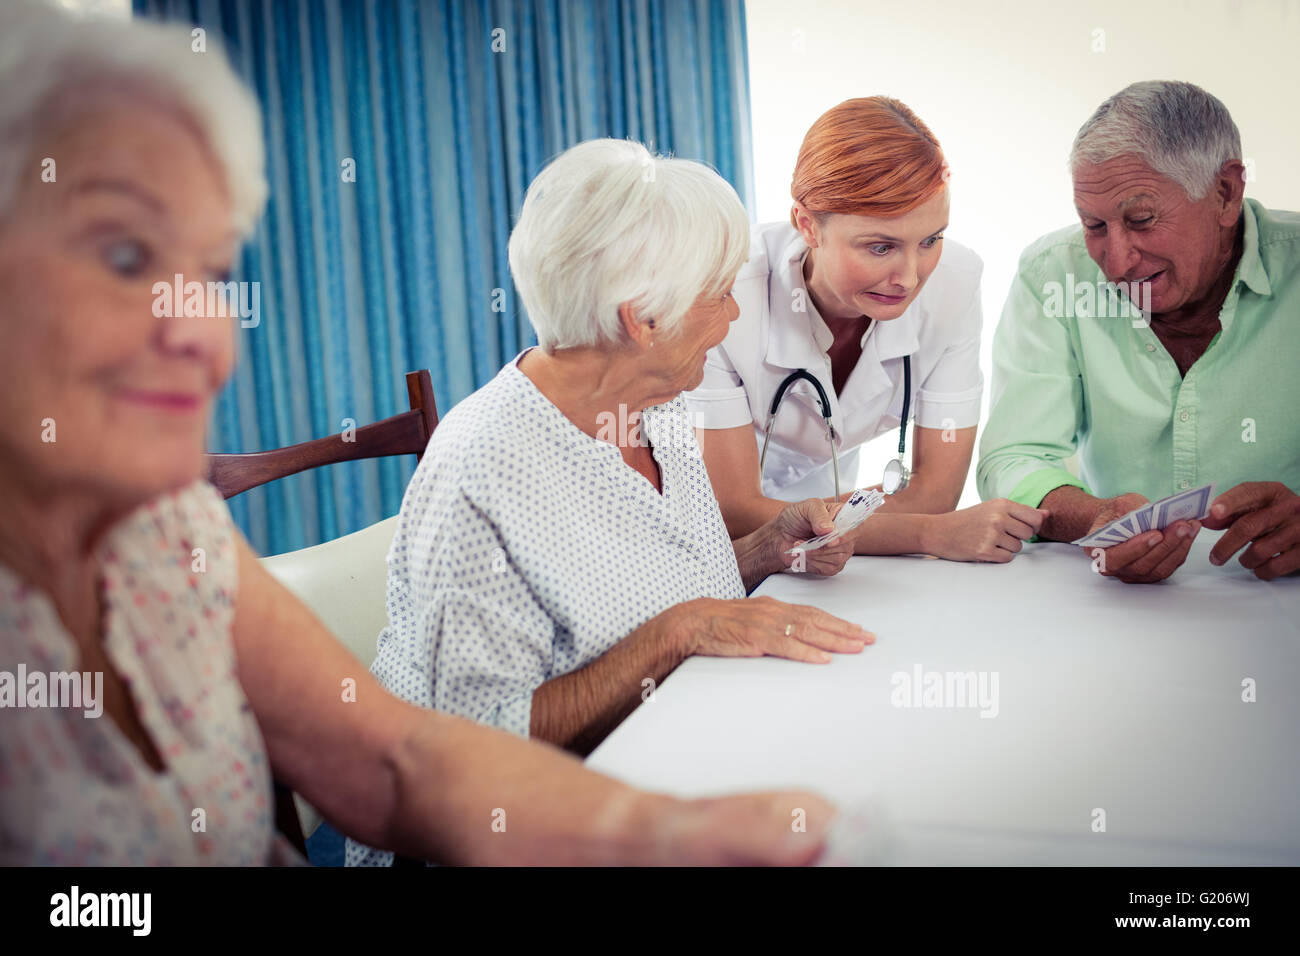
x=863 y=266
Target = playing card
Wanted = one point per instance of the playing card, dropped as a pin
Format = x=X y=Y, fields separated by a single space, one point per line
x=1128 y=524
x=1143 y=518
x=1101 y=540
x=1192 y=504
x=856 y=510
x=1105 y=536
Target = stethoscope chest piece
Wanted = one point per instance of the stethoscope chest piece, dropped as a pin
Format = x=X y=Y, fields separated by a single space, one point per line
x=896 y=477
x=896 y=474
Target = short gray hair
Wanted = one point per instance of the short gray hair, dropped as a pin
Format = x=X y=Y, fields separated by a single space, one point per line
x=46 y=54
x=605 y=223
x=1179 y=130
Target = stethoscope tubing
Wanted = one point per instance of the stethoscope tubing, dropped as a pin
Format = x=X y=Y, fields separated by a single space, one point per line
x=802 y=374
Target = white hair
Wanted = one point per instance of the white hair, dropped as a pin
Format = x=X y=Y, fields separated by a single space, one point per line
x=47 y=54
x=606 y=223
x=1179 y=130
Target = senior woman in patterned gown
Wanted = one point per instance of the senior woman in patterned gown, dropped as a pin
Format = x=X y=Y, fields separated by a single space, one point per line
x=559 y=550
x=212 y=679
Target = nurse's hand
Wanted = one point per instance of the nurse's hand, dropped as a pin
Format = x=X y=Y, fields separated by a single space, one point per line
x=993 y=531
x=801 y=521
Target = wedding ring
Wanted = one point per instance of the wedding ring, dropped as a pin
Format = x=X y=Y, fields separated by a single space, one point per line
x=788 y=629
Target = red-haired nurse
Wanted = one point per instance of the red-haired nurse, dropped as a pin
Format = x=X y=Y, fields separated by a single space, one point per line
x=856 y=318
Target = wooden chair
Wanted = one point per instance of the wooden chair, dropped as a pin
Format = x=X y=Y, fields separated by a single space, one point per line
x=405 y=434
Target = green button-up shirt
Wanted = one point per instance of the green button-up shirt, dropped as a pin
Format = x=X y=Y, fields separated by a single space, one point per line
x=1070 y=374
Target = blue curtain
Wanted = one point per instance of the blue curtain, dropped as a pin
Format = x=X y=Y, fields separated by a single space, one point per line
x=444 y=110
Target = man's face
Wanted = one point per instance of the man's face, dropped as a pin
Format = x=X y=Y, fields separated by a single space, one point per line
x=1141 y=227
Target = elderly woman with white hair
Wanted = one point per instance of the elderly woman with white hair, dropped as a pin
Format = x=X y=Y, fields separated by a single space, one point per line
x=1158 y=338
x=125 y=159
x=559 y=550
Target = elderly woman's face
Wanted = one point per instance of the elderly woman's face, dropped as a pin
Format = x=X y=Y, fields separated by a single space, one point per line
x=1140 y=226
x=125 y=395
x=680 y=357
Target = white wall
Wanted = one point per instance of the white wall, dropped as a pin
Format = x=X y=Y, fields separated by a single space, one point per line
x=1005 y=86
x=117 y=8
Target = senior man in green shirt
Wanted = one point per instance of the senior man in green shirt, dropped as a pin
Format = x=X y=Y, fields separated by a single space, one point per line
x=1160 y=339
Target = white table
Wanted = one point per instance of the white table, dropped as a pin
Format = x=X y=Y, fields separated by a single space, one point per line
x=1126 y=698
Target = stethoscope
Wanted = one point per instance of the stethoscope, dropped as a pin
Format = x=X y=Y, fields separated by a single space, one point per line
x=896 y=474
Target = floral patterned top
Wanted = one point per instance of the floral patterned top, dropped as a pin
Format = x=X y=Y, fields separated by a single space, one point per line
x=74 y=790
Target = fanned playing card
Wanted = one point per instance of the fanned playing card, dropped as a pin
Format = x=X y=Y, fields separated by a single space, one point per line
x=856 y=510
x=1192 y=504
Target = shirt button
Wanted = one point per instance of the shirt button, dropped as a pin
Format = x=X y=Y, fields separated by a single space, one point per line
x=1183 y=484
x=1183 y=416
x=1150 y=347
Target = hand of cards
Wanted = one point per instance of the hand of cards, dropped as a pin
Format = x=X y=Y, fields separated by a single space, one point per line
x=856 y=510
x=1186 y=505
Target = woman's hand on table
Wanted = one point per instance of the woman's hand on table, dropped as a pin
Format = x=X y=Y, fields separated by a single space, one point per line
x=992 y=531
x=755 y=627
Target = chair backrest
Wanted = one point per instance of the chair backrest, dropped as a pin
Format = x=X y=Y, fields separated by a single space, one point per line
x=343 y=582
x=404 y=434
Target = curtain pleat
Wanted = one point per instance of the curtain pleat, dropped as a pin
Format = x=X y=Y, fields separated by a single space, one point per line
x=403 y=266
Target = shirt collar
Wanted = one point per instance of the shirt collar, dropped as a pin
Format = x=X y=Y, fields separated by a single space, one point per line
x=792 y=336
x=1250 y=269
x=897 y=337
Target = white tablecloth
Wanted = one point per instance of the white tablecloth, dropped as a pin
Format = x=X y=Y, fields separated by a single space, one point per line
x=1121 y=698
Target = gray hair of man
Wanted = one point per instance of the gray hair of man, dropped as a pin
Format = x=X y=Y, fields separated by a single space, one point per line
x=1178 y=129
x=49 y=56
x=607 y=222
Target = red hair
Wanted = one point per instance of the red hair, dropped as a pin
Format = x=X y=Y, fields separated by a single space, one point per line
x=870 y=156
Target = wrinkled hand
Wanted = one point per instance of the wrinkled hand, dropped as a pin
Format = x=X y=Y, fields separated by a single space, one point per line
x=754 y=627
x=1265 y=515
x=753 y=829
x=993 y=531
x=1145 y=558
x=809 y=519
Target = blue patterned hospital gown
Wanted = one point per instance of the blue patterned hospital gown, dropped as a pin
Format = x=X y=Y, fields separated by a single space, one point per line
x=525 y=549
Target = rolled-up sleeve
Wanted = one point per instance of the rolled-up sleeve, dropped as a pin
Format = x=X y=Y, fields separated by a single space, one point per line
x=1037 y=399
x=951 y=394
x=720 y=401
x=479 y=643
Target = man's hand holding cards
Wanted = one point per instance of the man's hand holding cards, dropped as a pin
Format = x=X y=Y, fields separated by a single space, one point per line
x=1148 y=540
